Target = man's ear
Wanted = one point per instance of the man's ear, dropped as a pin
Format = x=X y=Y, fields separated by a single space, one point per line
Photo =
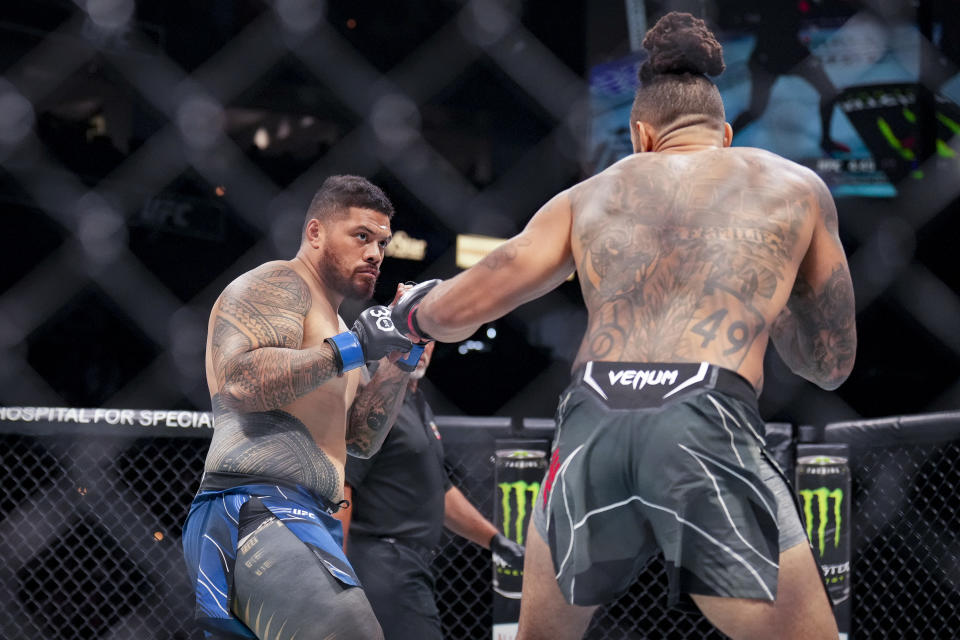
x=314 y=233
x=642 y=136
x=727 y=134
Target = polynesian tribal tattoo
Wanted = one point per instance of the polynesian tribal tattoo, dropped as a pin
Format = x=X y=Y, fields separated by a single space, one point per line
x=270 y=444
x=374 y=409
x=677 y=264
x=257 y=334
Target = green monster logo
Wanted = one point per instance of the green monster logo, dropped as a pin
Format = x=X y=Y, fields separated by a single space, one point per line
x=823 y=496
x=521 y=490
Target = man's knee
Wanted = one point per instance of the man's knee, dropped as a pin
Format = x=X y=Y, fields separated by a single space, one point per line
x=354 y=617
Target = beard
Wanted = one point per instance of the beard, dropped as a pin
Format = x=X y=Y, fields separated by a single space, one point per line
x=418 y=373
x=344 y=280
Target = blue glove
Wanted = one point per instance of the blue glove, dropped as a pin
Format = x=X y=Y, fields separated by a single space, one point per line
x=405 y=311
x=372 y=337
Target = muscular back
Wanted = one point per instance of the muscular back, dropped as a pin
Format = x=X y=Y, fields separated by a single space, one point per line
x=704 y=255
x=692 y=257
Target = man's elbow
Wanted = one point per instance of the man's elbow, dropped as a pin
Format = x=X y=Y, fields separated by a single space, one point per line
x=237 y=402
x=362 y=451
x=839 y=369
x=831 y=383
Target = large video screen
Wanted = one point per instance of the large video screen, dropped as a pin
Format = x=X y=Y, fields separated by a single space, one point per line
x=822 y=84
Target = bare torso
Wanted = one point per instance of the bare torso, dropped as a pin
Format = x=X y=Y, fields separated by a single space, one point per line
x=304 y=440
x=689 y=257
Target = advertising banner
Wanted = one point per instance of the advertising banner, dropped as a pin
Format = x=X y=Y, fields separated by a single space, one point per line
x=824 y=493
x=517 y=475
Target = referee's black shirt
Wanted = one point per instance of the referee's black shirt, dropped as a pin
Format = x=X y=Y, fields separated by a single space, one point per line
x=399 y=492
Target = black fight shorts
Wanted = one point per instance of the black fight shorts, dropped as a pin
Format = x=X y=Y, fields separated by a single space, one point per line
x=653 y=457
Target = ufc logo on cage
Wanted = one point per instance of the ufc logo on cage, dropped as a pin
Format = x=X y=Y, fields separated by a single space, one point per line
x=384 y=323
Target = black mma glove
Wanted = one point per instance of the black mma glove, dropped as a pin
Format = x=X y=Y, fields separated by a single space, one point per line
x=405 y=311
x=372 y=337
x=507 y=551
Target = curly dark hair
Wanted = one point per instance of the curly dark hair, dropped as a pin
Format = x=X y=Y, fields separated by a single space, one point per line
x=338 y=193
x=682 y=52
x=681 y=43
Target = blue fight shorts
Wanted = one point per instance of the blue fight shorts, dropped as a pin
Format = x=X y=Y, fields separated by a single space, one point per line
x=210 y=544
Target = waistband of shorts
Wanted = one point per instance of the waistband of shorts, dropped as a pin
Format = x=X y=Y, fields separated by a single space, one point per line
x=224 y=481
x=641 y=385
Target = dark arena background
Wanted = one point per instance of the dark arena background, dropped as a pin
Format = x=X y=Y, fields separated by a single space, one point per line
x=152 y=151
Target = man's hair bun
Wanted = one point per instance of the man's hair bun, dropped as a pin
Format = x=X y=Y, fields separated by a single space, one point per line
x=681 y=43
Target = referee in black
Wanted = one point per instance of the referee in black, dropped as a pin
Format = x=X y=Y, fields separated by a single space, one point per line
x=400 y=500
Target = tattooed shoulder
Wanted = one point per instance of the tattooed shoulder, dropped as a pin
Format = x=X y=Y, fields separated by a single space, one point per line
x=267 y=305
x=827 y=207
x=278 y=285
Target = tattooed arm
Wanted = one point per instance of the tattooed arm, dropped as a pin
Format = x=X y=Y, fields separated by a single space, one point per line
x=523 y=268
x=816 y=333
x=256 y=363
x=375 y=409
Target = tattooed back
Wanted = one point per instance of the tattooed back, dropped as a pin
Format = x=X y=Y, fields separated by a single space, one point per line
x=688 y=257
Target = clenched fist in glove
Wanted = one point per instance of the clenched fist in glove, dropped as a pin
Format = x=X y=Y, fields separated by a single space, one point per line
x=405 y=311
x=506 y=551
x=372 y=337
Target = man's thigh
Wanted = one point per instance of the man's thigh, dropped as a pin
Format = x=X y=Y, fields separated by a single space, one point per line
x=544 y=612
x=801 y=609
x=281 y=589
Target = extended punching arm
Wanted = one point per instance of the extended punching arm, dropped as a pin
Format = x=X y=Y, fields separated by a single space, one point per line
x=524 y=267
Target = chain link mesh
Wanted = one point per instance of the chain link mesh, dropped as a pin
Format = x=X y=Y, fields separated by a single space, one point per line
x=96 y=525
x=906 y=540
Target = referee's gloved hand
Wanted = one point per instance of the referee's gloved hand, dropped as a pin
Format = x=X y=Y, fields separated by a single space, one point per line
x=508 y=551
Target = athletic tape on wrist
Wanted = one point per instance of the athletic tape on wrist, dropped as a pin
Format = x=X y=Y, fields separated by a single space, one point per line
x=347 y=348
x=413 y=357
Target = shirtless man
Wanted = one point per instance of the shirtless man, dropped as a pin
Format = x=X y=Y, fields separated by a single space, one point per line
x=692 y=256
x=291 y=397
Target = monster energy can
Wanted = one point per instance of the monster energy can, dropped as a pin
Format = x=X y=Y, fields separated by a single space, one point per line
x=824 y=493
x=517 y=474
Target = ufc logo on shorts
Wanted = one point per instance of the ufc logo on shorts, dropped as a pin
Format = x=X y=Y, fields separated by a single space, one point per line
x=384 y=323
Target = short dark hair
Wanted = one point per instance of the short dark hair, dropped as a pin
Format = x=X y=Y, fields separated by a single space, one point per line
x=338 y=193
x=673 y=80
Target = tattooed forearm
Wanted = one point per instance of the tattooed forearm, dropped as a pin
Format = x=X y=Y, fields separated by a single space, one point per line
x=504 y=254
x=271 y=378
x=816 y=334
x=374 y=411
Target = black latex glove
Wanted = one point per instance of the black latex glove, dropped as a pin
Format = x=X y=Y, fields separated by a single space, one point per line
x=506 y=551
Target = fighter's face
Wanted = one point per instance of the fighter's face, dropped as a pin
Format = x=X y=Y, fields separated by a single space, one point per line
x=353 y=250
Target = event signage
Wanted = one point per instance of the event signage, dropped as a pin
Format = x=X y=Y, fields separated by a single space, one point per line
x=517 y=475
